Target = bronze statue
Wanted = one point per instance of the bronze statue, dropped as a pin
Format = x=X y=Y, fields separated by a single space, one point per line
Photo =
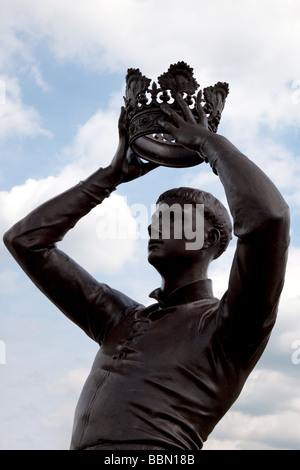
x=166 y=374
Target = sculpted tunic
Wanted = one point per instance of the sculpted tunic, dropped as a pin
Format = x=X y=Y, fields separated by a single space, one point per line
x=165 y=374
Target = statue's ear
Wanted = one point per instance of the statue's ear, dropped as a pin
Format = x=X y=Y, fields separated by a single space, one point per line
x=212 y=237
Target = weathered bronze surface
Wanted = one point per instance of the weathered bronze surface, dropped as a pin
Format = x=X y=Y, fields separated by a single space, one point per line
x=166 y=374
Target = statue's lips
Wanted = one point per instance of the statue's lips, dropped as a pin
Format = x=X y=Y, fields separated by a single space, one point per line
x=154 y=242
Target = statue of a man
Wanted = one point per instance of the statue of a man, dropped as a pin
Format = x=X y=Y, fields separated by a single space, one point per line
x=166 y=374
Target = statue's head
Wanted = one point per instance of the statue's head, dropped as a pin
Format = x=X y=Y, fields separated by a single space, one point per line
x=186 y=221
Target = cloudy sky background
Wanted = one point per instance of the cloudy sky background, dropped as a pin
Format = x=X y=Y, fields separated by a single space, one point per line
x=62 y=70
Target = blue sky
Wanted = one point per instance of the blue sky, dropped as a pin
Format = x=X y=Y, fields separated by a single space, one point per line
x=62 y=72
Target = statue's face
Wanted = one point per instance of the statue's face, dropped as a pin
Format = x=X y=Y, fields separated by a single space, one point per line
x=176 y=230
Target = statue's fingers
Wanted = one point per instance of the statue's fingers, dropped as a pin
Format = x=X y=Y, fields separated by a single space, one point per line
x=122 y=121
x=185 y=108
x=201 y=114
x=167 y=126
x=171 y=114
x=202 y=118
x=122 y=116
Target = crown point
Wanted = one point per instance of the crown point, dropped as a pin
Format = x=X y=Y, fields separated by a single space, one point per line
x=179 y=79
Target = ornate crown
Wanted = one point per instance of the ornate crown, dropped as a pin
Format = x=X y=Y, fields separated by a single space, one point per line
x=143 y=112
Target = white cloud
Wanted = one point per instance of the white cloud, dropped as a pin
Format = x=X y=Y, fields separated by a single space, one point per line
x=72 y=382
x=244 y=43
x=98 y=242
x=87 y=244
x=35 y=73
x=59 y=420
x=266 y=415
x=95 y=142
x=267 y=432
x=83 y=243
x=16 y=118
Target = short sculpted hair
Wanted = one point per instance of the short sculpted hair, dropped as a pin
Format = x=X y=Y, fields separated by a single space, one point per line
x=214 y=211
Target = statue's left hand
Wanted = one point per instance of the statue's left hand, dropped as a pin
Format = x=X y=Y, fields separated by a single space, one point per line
x=126 y=165
x=187 y=131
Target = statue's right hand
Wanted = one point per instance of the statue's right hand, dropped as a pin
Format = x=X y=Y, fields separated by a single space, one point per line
x=126 y=165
